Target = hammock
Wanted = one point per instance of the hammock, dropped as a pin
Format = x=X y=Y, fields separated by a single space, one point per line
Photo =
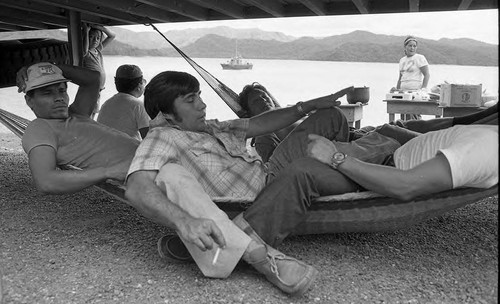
x=350 y=212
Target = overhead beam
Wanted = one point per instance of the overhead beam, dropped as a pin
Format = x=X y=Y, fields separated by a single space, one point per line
x=226 y=7
x=93 y=10
x=362 y=6
x=464 y=4
x=57 y=21
x=316 y=6
x=140 y=10
x=30 y=6
x=24 y=23
x=184 y=8
x=414 y=6
x=273 y=8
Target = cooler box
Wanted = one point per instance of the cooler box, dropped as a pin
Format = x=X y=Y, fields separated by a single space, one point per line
x=460 y=95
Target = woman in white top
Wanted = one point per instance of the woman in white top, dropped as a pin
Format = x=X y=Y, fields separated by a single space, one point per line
x=413 y=70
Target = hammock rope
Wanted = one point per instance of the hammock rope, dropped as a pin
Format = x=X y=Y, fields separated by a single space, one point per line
x=227 y=95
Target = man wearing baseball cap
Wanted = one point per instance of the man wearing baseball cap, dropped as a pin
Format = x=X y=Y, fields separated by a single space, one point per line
x=124 y=111
x=65 y=135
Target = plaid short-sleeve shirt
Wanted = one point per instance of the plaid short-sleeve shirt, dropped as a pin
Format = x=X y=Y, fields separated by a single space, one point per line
x=217 y=157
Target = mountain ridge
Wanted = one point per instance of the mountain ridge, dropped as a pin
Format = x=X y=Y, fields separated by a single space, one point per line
x=356 y=46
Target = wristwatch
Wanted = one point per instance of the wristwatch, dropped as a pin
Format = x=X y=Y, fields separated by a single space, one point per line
x=337 y=159
x=300 y=109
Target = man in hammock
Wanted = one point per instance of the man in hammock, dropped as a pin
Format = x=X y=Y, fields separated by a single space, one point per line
x=460 y=156
x=66 y=135
x=215 y=154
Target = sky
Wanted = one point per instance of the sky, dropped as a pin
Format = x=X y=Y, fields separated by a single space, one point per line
x=480 y=25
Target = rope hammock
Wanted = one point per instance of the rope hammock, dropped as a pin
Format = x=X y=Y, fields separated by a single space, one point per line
x=350 y=212
x=225 y=92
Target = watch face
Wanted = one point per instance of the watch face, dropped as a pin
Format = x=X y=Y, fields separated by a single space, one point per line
x=338 y=156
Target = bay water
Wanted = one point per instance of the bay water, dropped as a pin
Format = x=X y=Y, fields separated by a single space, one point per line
x=289 y=81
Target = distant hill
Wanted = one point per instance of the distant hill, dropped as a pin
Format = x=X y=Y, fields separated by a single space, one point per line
x=182 y=38
x=357 y=46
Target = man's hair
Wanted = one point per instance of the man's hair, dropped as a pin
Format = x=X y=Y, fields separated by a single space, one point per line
x=164 y=88
x=124 y=85
x=243 y=96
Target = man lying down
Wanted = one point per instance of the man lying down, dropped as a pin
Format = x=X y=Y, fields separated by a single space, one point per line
x=63 y=135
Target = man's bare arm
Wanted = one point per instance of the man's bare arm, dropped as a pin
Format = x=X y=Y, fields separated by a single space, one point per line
x=88 y=82
x=110 y=35
x=150 y=201
x=274 y=120
x=49 y=179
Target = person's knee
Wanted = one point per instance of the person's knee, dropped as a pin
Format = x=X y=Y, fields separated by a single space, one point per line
x=174 y=175
x=300 y=168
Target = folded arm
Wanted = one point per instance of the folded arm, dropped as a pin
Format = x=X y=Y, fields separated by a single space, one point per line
x=88 y=82
x=110 y=36
x=49 y=179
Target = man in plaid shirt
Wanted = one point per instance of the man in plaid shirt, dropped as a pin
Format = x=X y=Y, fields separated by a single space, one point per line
x=209 y=158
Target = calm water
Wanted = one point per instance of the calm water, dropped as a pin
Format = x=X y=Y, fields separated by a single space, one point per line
x=289 y=81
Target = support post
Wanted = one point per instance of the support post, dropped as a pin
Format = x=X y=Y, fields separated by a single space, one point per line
x=75 y=37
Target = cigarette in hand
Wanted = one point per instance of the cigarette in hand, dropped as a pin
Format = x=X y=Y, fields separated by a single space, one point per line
x=216 y=256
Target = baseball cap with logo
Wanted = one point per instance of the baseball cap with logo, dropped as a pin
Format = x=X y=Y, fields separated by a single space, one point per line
x=43 y=74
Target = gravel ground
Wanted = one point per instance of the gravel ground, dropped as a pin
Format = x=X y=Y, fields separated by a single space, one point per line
x=91 y=248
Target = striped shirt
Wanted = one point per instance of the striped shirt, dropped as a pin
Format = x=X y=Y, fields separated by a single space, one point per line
x=217 y=157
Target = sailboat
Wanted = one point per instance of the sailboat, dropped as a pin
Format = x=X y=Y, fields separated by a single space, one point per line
x=237 y=62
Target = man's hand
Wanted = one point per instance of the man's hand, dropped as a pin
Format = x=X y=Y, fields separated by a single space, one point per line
x=86 y=27
x=21 y=78
x=320 y=148
x=328 y=101
x=201 y=232
x=324 y=102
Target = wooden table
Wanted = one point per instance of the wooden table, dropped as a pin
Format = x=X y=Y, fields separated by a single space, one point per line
x=460 y=111
x=397 y=106
x=353 y=113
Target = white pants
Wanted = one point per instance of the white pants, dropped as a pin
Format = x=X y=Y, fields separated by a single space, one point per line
x=184 y=190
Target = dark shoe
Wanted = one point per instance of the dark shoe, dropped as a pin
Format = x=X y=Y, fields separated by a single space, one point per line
x=288 y=274
x=171 y=246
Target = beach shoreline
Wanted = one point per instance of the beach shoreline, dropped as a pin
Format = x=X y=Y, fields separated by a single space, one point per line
x=89 y=247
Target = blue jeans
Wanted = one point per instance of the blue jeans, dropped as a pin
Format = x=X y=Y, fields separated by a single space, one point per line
x=294 y=179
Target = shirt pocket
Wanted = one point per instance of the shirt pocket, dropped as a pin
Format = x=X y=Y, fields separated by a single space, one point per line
x=212 y=158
